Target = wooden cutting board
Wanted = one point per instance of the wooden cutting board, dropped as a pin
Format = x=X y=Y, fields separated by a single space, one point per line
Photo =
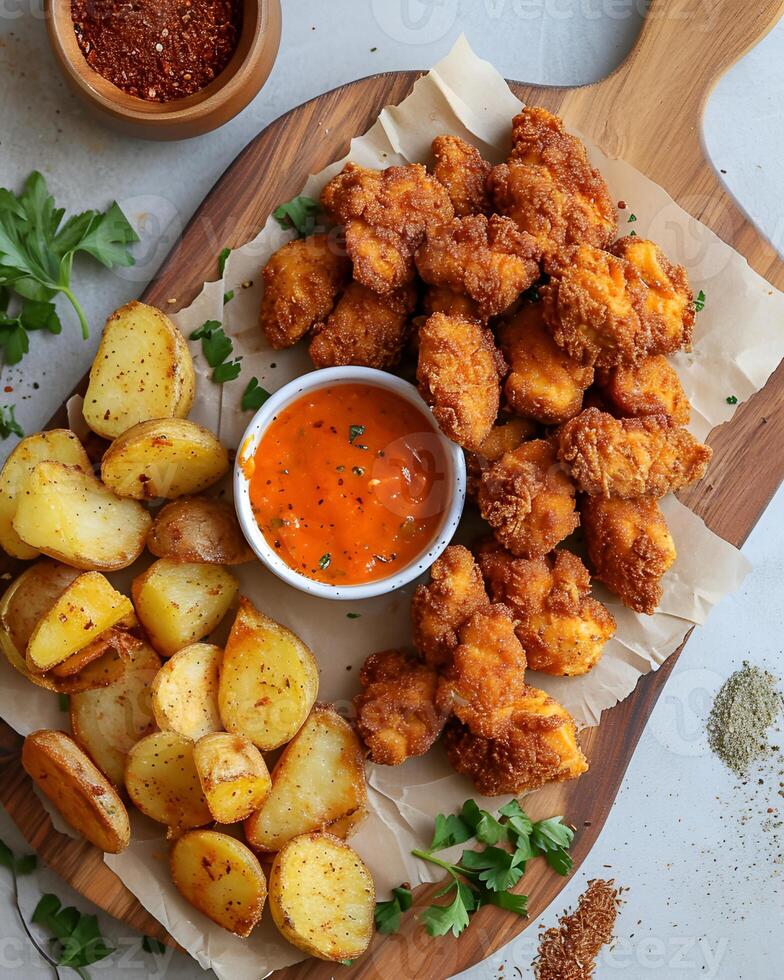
x=648 y=112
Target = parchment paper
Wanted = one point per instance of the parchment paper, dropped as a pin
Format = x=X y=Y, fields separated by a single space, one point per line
x=738 y=343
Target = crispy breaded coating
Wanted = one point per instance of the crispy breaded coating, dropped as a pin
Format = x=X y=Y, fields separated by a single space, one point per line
x=629 y=547
x=537 y=745
x=488 y=259
x=650 y=387
x=386 y=214
x=544 y=382
x=602 y=311
x=487 y=672
x=364 y=328
x=528 y=500
x=563 y=629
x=441 y=299
x=630 y=458
x=301 y=281
x=439 y=609
x=502 y=438
x=459 y=372
x=397 y=715
x=461 y=169
x=548 y=186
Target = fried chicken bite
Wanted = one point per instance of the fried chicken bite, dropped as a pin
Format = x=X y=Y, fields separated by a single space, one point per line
x=601 y=309
x=364 y=328
x=439 y=609
x=562 y=629
x=650 y=387
x=441 y=299
x=528 y=500
x=549 y=188
x=461 y=169
x=646 y=457
x=397 y=716
x=502 y=438
x=488 y=259
x=544 y=382
x=386 y=214
x=459 y=372
x=629 y=547
x=301 y=281
x=536 y=745
x=487 y=673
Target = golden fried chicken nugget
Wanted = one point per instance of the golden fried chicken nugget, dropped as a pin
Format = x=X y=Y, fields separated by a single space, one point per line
x=646 y=457
x=386 y=214
x=548 y=186
x=459 y=372
x=397 y=715
x=461 y=169
x=528 y=500
x=487 y=673
x=563 y=629
x=441 y=299
x=502 y=438
x=365 y=328
x=301 y=281
x=439 y=609
x=650 y=387
x=629 y=547
x=488 y=259
x=544 y=382
x=536 y=745
x=602 y=311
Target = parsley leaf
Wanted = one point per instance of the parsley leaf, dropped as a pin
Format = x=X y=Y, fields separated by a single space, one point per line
x=632 y=217
x=8 y=424
x=217 y=347
x=508 y=901
x=487 y=829
x=21 y=866
x=325 y=560
x=732 y=399
x=450 y=830
x=299 y=213
x=354 y=432
x=223 y=257
x=388 y=914
x=77 y=938
x=254 y=396
x=699 y=302
x=228 y=296
x=227 y=372
x=441 y=919
x=353 y=615
x=553 y=838
x=499 y=869
x=207 y=328
x=516 y=818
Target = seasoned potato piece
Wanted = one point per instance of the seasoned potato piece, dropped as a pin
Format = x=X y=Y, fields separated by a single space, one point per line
x=79 y=791
x=185 y=691
x=70 y=515
x=325 y=756
x=88 y=606
x=108 y=721
x=199 y=529
x=60 y=445
x=143 y=370
x=220 y=877
x=181 y=602
x=161 y=779
x=112 y=639
x=163 y=458
x=234 y=777
x=268 y=682
x=322 y=897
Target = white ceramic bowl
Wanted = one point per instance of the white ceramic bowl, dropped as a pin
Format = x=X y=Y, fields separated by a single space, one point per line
x=455 y=482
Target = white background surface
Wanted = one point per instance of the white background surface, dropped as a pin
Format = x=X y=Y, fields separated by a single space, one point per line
x=706 y=895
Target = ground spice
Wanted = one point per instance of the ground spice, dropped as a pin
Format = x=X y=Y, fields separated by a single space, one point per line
x=568 y=951
x=744 y=709
x=158 y=50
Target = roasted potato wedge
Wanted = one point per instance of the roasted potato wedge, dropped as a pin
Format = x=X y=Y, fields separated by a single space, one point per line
x=143 y=370
x=163 y=458
x=199 y=529
x=60 y=445
x=326 y=757
x=269 y=680
x=89 y=606
x=109 y=721
x=221 y=877
x=161 y=779
x=234 y=777
x=185 y=692
x=322 y=897
x=77 y=788
x=180 y=602
x=69 y=515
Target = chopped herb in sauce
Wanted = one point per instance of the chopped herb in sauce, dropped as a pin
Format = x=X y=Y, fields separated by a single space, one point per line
x=325 y=561
x=354 y=432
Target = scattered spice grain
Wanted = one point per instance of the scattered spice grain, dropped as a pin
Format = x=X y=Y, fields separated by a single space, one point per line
x=744 y=709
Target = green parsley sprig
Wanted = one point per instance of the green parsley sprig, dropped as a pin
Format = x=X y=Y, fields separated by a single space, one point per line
x=217 y=348
x=254 y=396
x=77 y=941
x=299 y=213
x=8 y=424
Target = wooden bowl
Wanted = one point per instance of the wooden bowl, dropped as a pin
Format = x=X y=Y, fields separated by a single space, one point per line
x=194 y=115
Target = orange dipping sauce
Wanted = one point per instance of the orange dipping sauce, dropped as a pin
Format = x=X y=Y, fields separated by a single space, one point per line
x=349 y=484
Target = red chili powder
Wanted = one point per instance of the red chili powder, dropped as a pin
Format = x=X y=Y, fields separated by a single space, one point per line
x=158 y=50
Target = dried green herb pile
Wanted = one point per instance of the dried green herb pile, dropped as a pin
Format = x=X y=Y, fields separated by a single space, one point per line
x=745 y=707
